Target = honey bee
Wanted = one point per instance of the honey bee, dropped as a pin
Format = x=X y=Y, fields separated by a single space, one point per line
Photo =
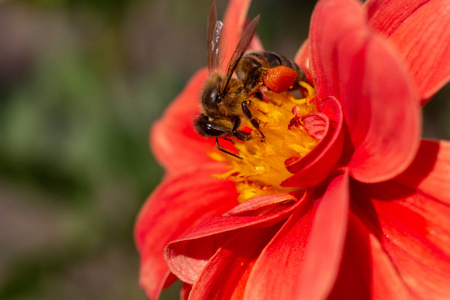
x=226 y=98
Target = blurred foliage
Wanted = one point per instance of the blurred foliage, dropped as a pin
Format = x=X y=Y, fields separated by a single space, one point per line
x=80 y=83
x=74 y=160
x=107 y=8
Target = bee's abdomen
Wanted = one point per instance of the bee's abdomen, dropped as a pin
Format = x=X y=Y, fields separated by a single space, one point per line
x=271 y=60
x=251 y=67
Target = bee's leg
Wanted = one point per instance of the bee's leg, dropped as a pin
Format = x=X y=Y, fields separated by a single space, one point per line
x=242 y=136
x=248 y=115
x=224 y=150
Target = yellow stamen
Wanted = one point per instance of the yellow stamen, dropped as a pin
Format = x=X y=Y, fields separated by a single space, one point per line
x=262 y=167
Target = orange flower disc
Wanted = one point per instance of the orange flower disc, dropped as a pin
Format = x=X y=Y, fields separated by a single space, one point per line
x=280 y=79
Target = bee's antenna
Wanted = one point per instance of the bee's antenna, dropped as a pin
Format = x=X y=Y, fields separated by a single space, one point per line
x=224 y=150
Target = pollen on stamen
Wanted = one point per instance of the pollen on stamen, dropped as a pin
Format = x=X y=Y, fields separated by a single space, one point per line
x=262 y=167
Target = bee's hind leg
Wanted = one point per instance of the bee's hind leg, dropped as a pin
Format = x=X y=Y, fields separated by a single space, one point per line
x=248 y=115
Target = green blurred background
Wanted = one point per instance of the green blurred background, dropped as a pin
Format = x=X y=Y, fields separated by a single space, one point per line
x=80 y=84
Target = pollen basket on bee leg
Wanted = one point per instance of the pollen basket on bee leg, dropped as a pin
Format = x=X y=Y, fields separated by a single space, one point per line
x=279 y=79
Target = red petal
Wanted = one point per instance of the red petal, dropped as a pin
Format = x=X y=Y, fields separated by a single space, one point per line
x=429 y=173
x=174 y=141
x=302 y=260
x=172 y=210
x=257 y=205
x=234 y=21
x=188 y=256
x=380 y=109
x=185 y=291
x=316 y=124
x=378 y=101
x=329 y=25
x=366 y=270
x=225 y=275
x=302 y=59
x=314 y=167
x=419 y=30
x=414 y=230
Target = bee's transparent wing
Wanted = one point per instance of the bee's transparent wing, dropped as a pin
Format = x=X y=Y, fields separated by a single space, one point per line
x=214 y=31
x=241 y=47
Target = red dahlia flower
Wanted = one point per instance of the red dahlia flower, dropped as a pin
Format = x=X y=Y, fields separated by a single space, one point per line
x=343 y=200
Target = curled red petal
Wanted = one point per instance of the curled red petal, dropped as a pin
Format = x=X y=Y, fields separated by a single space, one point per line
x=315 y=166
x=414 y=230
x=171 y=211
x=378 y=100
x=173 y=139
x=419 y=31
x=380 y=108
x=187 y=256
x=302 y=260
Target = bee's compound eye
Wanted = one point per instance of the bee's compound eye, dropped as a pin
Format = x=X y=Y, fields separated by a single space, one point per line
x=211 y=97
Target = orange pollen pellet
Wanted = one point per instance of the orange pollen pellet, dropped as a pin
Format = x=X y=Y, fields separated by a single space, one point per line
x=279 y=79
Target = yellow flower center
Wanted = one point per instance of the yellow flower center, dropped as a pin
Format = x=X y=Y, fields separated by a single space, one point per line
x=262 y=167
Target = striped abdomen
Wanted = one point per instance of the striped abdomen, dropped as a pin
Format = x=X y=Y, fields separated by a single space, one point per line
x=253 y=65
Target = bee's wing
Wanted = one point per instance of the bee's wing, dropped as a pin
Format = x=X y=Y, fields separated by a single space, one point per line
x=241 y=47
x=213 y=38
